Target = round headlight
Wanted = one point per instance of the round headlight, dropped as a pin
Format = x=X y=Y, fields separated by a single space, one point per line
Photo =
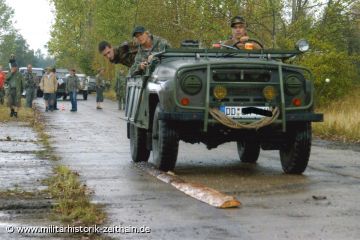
x=293 y=85
x=220 y=92
x=191 y=84
x=269 y=93
x=302 y=45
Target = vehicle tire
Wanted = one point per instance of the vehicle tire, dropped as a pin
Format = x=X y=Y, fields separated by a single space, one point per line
x=85 y=95
x=139 y=152
x=295 y=156
x=248 y=151
x=165 y=143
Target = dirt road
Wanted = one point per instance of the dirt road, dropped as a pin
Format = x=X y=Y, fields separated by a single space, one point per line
x=320 y=204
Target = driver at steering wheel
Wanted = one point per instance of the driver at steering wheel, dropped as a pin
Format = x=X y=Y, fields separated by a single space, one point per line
x=239 y=35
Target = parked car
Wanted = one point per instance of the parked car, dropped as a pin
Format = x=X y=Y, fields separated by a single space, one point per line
x=92 y=84
x=39 y=73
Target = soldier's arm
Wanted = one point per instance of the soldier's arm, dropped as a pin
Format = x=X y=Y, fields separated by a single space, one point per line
x=135 y=68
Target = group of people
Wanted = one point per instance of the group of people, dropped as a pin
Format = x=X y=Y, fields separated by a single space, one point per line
x=136 y=55
x=17 y=83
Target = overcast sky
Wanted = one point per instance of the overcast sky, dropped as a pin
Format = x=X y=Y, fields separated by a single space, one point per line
x=33 y=19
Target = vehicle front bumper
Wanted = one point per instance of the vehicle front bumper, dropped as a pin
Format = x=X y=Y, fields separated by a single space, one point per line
x=199 y=116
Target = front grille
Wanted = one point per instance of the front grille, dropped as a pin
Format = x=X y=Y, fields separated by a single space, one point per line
x=241 y=75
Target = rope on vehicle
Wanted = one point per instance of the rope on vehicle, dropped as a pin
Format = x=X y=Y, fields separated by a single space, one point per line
x=225 y=120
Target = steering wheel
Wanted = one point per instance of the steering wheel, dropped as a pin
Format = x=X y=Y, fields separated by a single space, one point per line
x=249 y=40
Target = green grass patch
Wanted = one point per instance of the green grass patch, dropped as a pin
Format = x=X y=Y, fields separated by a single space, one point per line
x=110 y=94
x=341 y=119
x=73 y=199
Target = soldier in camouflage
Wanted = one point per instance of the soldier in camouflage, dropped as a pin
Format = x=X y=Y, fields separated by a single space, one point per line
x=148 y=44
x=239 y=34
x=120 y=88
x=100 y=86
x=2 y=82
x=15 y=81
x=30 y=86
x=123 y=54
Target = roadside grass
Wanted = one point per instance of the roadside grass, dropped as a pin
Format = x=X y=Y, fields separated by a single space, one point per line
x=24 y=114
x=341 y=119
x=73 y=199
x=110 y=94
x=18 y=193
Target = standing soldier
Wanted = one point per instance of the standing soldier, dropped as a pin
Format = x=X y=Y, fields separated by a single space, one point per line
x=15 y=81
x=71 y=88
x=120 y=90
x=100 y=86
x=48 y=85
x=2 y=82
x=30 y=86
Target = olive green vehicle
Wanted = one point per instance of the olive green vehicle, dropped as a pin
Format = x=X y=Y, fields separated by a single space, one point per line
x=216 y=96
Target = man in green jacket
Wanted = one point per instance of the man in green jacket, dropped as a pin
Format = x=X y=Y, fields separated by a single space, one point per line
x=15 y=81
x=30 y=86
x=120 y=89
x=71 y=88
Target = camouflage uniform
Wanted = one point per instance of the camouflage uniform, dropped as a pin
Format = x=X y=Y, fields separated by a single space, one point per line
x=15 y=81
x=100 y=86
x=125 y=54
x=2 y=90
x=30 y=87
x=120 y=89
x=159 y=45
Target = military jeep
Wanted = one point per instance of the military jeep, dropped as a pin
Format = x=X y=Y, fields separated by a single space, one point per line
x=214 y=96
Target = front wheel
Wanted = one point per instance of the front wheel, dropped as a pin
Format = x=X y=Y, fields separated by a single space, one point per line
x=138 y=149
x=165 y=143
x=295 y=155
x=248 y=151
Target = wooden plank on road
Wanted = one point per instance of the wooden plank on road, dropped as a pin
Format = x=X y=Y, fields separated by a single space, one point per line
x=195 y=190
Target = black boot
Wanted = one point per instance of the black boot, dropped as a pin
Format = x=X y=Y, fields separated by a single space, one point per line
x=12 y=113
x=15 y=114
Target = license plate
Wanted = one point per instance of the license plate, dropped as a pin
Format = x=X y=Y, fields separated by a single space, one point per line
x=238 y=112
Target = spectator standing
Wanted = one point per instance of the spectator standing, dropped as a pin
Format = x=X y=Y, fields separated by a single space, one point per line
x=72 y=86
x=15 y=81
x=48 y=85
x=30 y=86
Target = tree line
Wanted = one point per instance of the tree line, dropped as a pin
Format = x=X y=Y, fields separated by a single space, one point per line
x=11 y=42
x=332 y=27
